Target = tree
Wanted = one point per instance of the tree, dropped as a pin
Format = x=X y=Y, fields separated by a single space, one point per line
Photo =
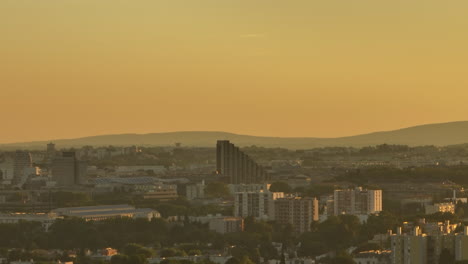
x=246 y=260
x=135 y=249
x=233 y=260
x=119 y=259
x=217 y=190
x=342 y=259
x=280 y=187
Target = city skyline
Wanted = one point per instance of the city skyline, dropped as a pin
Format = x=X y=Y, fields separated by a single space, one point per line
x=269 y=68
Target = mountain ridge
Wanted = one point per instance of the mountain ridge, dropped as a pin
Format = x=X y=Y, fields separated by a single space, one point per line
x=439 y=134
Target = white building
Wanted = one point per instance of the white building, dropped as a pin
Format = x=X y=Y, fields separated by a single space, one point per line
x=409 y=248
x=357 y=201
x=260 y=204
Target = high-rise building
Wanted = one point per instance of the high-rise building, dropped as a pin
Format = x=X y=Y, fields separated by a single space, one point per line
x=259 y=204
x=22 y=164
x=297 y=211
x=68 y=171
x=51 y=150
x=357 y=201
x=409 y=248
x=237 y=166
x=426 y=248
x=461 y=245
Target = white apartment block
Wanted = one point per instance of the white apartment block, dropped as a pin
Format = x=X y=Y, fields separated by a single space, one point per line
x=260 y=204
x=357 y=201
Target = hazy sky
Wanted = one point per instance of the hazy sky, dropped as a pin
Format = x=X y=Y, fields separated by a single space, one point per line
x=71 y=68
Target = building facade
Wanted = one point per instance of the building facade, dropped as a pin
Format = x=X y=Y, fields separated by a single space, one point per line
x=237 y=166
x=440 y=207
x=297 y=211
x=22 y=162
x=103 y=212
x=417 y=247
x=67 y=170
x=221 y=224
x=357 y=201
x=260 y=204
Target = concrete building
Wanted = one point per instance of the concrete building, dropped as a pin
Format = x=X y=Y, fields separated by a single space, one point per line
x=51 y=151
x=221 y=224
x=440 y=208
x=237 y=166
x=195 y=191
x=22 y=162
x=373 y=257
x=103 y=212
x=6 y=169
x=259 y=204
x=409 y=248
x=297 y=211
x=235 y=188
x=66 y=170
x=357 y=201
x=163 y=192
x=417 y=247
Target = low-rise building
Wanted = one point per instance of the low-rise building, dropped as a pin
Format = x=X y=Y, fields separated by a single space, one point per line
x=221 y=224
x=373 y=257
x=259 y=204
x=162 y=193
x=45 y=219
x=440 y=207
x=103 y=212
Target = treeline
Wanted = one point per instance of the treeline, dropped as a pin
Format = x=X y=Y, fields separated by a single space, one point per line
x=335 y=234
x=456 y=174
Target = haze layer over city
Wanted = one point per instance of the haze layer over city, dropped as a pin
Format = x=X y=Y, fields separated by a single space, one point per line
x=233 y=132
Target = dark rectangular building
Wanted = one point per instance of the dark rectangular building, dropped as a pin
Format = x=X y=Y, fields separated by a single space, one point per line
x=237 y=166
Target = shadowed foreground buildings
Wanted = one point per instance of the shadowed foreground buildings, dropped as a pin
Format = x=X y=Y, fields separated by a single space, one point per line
x=237 y=166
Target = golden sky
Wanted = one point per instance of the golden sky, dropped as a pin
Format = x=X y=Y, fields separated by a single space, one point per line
x=72 y=68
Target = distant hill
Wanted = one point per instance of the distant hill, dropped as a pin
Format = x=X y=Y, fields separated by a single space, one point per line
x=432 y=134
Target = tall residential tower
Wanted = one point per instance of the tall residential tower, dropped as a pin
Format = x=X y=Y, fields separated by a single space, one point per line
x=237 y=166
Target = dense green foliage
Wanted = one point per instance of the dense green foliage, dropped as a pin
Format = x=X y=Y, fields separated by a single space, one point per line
x=457 y=174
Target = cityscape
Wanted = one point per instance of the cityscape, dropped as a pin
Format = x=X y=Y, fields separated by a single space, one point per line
x=234 y=204
x=233 y=132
